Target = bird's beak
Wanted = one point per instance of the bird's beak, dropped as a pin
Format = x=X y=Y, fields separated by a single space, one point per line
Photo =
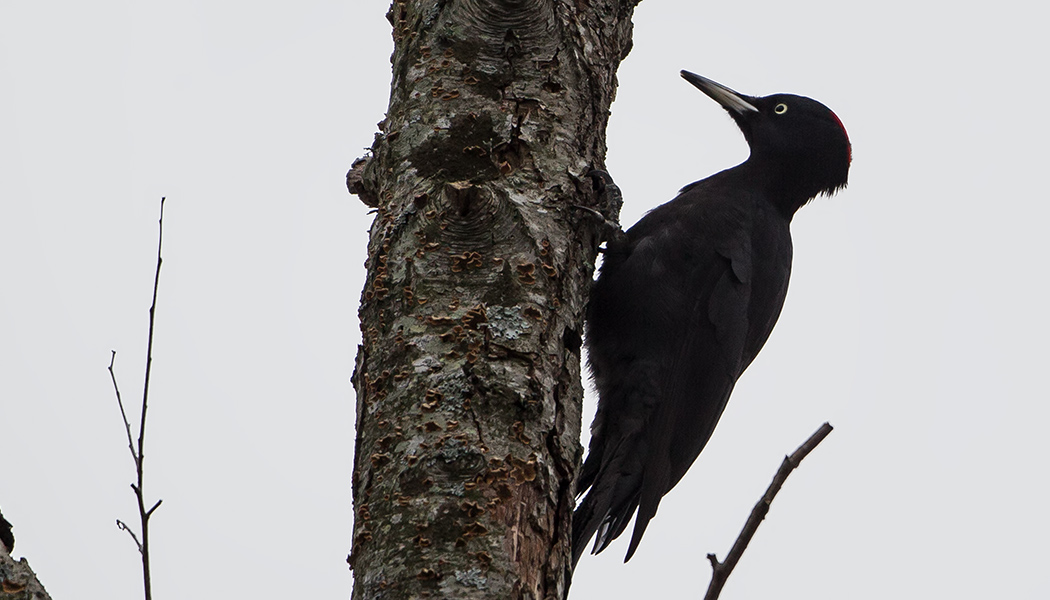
x=729 y=99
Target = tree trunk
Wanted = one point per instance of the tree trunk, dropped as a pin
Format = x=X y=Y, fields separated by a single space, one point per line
x=18 y=581
x=468 y=377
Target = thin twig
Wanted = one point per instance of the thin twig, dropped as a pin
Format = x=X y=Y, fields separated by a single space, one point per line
x=123 y=526
x=123 y=414
x=138 y=454
x=722 y=570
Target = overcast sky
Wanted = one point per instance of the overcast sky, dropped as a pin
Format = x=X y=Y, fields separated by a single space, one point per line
x=916 y=322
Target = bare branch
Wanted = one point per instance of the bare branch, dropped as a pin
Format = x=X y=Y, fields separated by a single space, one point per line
x=149 y=343
x=123 y=526
x=155 y=507
x=721 y=570
x=123 y=414
x=138 y=455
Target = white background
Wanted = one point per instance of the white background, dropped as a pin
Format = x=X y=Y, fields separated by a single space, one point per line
x=916 y=321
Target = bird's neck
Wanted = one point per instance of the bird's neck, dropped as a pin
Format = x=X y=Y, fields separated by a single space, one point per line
x=783 y=184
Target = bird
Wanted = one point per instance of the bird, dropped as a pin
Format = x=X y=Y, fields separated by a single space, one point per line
x=684 y=301
x=7 y=539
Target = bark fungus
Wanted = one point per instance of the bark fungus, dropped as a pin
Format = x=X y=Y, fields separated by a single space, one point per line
x=468 y=376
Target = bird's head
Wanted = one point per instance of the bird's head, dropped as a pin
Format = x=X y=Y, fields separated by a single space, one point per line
x=797 y=141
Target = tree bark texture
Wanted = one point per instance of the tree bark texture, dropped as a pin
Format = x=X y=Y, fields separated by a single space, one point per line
x=18 y=581
x=468 y=376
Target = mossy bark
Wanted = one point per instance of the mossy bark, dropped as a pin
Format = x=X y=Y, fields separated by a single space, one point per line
x=468 y=377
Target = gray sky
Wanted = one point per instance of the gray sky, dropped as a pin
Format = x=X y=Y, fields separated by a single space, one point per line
x=916 y=320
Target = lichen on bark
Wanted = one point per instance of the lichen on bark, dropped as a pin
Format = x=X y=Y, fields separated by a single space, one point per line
x=468 y=376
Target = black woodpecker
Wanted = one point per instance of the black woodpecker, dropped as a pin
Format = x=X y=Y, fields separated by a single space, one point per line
x=7 y=539
x=685 y=300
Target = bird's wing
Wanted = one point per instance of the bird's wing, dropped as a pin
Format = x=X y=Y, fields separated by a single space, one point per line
x=666 y=326
x=702 y=367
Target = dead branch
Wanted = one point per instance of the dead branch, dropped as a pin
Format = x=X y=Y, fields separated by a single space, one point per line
x=137 y=450
x=721 y=570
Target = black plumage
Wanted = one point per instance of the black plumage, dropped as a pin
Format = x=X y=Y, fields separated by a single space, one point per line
x=7 y=538
x=687 y=298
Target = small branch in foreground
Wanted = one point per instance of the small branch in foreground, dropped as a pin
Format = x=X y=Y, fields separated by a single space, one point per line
x=137 y=452
x=722 y=570
x=124 y=526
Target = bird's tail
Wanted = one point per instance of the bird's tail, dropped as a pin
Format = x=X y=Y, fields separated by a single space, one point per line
x=604 y=513
x=584 y=525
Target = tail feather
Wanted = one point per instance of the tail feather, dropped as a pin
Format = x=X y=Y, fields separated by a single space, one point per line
x=612 y=475
x=647 y=505
x=597 y=518
x=609 y=505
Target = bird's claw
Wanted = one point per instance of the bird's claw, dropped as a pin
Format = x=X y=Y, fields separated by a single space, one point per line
x=609 y=194
x=610 y=198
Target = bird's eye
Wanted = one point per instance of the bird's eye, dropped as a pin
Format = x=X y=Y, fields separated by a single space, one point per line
x=780 y=108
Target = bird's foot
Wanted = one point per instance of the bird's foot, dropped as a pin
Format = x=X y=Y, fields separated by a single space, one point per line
x=610 y=198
